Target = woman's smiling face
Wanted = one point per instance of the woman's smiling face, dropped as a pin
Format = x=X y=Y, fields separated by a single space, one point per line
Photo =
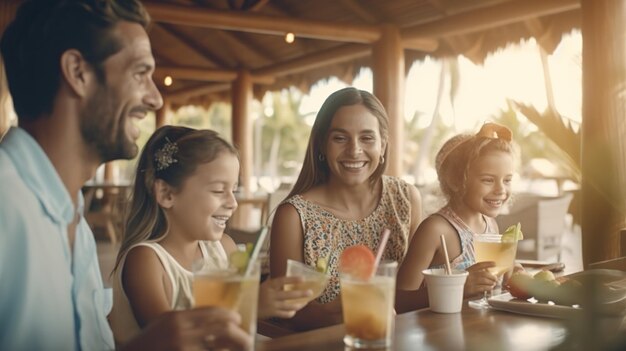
x=354 y=146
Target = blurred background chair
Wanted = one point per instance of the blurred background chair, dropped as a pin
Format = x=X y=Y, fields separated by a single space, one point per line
x=543 y=222
x=104 y=209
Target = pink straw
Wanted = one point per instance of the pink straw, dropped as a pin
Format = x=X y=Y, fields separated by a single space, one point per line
x=445 y=253
x=381 y=247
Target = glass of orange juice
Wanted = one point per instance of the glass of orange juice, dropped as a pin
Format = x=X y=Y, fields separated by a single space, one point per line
x=229 y=288
x=313 y=280
x=492 y=247
x=368 y=313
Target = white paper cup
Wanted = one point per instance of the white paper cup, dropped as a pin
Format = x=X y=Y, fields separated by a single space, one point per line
x=445 y=291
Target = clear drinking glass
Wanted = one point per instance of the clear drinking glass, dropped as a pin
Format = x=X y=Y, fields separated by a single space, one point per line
x=230 y=289
x=490 y=247
x=368 y=307
x=313 y=280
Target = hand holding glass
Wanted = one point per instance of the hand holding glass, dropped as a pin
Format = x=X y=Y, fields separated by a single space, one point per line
x=491 y=247
x=368 y=307
x=313 y=280
x=231 y=289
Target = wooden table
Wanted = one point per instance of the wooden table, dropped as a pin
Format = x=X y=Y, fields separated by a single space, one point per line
x=469 y=330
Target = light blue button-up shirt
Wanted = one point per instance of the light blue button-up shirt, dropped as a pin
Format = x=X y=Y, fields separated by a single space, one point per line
x=50 y=298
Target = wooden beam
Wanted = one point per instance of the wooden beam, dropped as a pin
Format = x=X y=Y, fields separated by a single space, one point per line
x=328 y=57
x=265 y=75
x=448 y=7
x=421 y=44
x=241 y=102
x=489 y=17
x=187 y=93
x=192 y=45
x=389 y=75
x=362 y=12
x=197 y=73
x=319 y=59
x=208 y=74
x=445 y=8
x=240 y=49
x=256 y=23
x=259 y=4
x=439 y=6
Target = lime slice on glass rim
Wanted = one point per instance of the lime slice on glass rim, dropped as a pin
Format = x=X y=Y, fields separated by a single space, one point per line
x=513 y=233
x=322 y=264
x=239 y=260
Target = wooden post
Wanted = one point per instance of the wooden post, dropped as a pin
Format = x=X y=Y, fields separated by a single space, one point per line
x=110 y=169
x=389 y=88
x=163 y=114
x=242 y=126
x=603 y=128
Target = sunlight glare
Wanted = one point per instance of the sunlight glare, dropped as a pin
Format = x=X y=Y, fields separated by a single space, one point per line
x=514 y=73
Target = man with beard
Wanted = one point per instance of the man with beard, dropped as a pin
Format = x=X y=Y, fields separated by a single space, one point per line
x=80 y=74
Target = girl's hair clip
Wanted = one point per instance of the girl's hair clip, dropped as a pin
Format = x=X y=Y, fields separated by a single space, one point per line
x=495 y=131
x=164 y=157
x=489 y=130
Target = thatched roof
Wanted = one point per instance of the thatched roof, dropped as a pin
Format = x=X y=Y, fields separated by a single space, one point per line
x=202 y=44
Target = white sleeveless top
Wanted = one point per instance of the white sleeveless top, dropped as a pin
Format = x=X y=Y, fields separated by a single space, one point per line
x=122 y=319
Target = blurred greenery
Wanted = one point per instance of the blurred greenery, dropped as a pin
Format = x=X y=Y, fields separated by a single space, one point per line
x=560 y=136
x=284 y=134
x=281 y=133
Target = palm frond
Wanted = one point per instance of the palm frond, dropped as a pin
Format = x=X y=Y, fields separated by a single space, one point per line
x=560 y=131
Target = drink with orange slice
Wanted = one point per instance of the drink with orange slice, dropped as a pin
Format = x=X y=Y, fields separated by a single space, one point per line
x=367 y=298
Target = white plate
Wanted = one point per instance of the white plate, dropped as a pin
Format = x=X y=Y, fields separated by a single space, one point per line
x=506 y=302
x=611 y=292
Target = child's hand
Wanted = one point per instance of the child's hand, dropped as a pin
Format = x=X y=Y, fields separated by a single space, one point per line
x=274 y=301
x=479 y=279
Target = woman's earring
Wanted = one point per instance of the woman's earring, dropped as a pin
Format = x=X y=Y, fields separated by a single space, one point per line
x=382 y=159
x=321 y=157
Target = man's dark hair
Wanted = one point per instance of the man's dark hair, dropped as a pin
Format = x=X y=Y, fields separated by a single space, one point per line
x=43 y=30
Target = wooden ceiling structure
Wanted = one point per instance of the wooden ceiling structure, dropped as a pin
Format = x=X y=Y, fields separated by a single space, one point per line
x=204 y=44
x=235 y=50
